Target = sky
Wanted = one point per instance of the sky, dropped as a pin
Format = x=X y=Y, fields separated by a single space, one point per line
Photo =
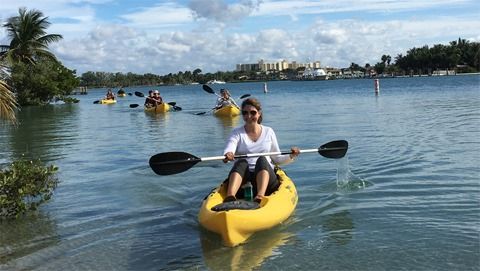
x=162 y=37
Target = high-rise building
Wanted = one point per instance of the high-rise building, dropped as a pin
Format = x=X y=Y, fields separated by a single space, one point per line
x=276 y=66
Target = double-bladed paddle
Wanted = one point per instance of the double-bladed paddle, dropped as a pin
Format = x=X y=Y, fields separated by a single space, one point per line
x=139 y=94
x=169 y=163
x=137 y=105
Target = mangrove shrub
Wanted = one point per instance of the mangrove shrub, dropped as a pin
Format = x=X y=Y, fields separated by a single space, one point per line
x=43 y=82
x=25 y=185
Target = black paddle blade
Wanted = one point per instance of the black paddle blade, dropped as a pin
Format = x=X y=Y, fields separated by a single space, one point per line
x=139 y=94
x=177 y=108
x=245 y=96
x=96 y=102
x=168 y=163
x=130 y=94
x=134 y=105
x=208 y=89
x=334 y=149
x=200 y=113
x=172 y=103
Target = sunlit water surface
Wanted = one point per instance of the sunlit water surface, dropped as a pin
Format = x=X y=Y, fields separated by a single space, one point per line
x=407 y=197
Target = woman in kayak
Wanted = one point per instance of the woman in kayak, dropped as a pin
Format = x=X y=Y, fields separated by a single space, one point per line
x=254 y=138
x=109 y=95
x=149 y=102
x=225 y=99
x=153 y=98
x=157 y=98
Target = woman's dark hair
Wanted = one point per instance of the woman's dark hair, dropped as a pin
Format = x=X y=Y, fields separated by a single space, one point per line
x=255 y=103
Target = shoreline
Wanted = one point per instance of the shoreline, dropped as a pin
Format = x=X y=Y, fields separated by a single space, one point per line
x=301 y=80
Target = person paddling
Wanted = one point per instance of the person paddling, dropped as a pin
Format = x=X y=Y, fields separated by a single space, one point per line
x=253 y=137
x=153 y=98
x=109 y=95
x=225 y=99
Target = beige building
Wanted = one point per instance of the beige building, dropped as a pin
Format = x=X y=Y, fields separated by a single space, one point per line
x=276 y=66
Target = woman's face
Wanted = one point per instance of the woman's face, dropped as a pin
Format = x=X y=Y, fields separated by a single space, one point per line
x=250 y=114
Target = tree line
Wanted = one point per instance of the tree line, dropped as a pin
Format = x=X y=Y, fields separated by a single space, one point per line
x=462 y=56
x=108 y=79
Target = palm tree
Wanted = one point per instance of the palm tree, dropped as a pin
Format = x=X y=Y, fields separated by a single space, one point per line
x=8 y=103
x=29 y=41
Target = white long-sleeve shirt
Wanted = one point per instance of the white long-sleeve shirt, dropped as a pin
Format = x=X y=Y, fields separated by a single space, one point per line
x=239 y=143
x=221 y=102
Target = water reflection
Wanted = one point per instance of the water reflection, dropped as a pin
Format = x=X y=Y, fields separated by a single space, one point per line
x=334 y=222
x=339 y=226
x=228 y=122
x=251 y=255
x=45 y=131
x=156 y=124
x=24 y=236
x=165 y=116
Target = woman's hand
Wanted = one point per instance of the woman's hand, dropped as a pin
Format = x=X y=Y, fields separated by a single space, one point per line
x=295 y=152
x=229 y=156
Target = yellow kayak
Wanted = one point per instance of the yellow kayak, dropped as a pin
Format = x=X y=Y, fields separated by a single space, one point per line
x=236 y=226
x=108 y=101
x=227 y=111
x=161 y=108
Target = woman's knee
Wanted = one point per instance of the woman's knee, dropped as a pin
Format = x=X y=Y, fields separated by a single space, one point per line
x=239 y=167
x=261 y=164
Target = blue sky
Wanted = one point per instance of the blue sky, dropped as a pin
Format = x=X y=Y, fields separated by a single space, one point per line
x=161 y=37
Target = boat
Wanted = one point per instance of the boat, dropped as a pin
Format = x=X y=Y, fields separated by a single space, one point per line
x=108 y=101
x=236 y=225
x=215 y=82
x=227 y=111
x=161 y=108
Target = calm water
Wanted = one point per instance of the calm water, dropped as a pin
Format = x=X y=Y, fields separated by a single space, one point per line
x=410 y=199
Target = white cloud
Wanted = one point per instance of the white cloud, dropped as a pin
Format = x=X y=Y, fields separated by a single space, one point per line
x=216 y=35
x=220 y=11
x=302 y=7
x=162 y=15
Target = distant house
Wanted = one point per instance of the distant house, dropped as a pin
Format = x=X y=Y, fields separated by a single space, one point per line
x=314 y=74
x=333 y=72
x=443 y=72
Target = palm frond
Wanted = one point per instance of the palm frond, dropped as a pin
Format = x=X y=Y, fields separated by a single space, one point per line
x=8 y=103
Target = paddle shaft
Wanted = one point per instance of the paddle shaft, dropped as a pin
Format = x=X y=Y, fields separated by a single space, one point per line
x=250 y=155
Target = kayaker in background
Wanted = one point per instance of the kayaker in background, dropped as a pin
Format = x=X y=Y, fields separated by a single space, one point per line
x=225 y=99
x=253 y=137
x=149 y=102
x=153 y=98
x=157 y=98
x=109 y=95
